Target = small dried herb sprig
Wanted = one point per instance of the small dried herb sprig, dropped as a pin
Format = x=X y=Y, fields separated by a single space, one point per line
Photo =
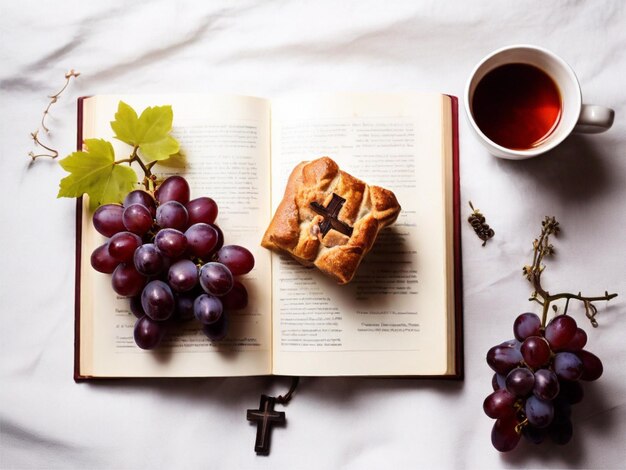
x=542 y=248
x=477 y=220
x=49 y=152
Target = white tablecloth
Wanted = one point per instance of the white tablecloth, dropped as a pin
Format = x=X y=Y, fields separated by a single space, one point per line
x=265 y=49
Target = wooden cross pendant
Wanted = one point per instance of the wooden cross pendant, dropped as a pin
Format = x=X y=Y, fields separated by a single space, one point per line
x=265 y=417
x=331 y=214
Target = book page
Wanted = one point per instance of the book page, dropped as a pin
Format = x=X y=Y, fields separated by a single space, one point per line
x=393 y=318
x=226 y=144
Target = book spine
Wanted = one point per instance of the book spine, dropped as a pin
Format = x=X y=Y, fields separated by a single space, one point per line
x=79 y=225
x=458 y=258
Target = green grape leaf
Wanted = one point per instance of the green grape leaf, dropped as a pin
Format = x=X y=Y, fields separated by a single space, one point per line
x=150 y=131
x=95 y=173
x=176 y=160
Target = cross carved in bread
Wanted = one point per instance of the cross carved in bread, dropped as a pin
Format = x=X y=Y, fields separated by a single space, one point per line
x=331 y=216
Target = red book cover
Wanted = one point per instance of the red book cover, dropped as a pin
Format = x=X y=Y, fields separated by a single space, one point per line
x=458 y=265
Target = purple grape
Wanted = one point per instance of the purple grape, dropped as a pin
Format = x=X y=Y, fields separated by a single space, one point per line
x=499 y=404
x=571 y=392
x=216 y=279
x=567 y=366
x=202 y=209
x=560 y=331
x=184 y=306
x=107 y=219
x=141 y=197
x=135 y=306
x=512 y=343
x=102 y=261
x=183 y=275
x=592 y=365
x=218 y=330
x=501 y=381
x=171 y=242
x=201 y=240
x=220 y=237
x=157 y=300
x=533 y=434
x=504 y=437
x=122 y=246
x=535 y=351
x=561 y=430
x=520 y=381
x=167 y=262
x=172 y=214
x=148 y=260
x=502 y=359
x=546 y=385
x=577 y=342
x=137 y=219
x=174 y=188
x=236 y=258
x=207 y=309
x=539 y=413
x=148 y=333
x=237 y=298
x=525 y=325
x=127 y=281
x=494 y=382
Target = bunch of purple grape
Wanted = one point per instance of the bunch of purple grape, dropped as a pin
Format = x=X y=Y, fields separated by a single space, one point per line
x=167 y=254
x=536 y=381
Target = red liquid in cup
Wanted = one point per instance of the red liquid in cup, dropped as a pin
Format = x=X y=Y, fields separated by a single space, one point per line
x=517 y=106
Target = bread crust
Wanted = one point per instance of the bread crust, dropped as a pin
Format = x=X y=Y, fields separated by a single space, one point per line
x=294 y=229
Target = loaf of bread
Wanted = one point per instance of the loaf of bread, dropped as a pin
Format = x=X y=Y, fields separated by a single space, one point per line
x=329 y=219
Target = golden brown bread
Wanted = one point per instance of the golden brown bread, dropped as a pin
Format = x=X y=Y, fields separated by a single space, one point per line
x=295 y=228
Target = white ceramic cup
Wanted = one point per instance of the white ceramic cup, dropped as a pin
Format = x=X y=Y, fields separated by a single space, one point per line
x=575 y=116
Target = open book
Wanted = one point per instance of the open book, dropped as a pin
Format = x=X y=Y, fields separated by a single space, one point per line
x=400 y=316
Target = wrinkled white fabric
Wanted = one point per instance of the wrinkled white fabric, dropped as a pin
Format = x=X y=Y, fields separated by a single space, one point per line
x=265 y=49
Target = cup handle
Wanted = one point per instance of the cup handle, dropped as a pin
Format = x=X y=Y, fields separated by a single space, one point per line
x=594 y=119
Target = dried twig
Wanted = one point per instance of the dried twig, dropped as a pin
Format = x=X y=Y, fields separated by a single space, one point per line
x=51 y=153
x=542 y=248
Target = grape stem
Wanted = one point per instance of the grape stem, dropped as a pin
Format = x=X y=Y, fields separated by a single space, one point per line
x=520 y=426
x=148 y=180
x=541 y=249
